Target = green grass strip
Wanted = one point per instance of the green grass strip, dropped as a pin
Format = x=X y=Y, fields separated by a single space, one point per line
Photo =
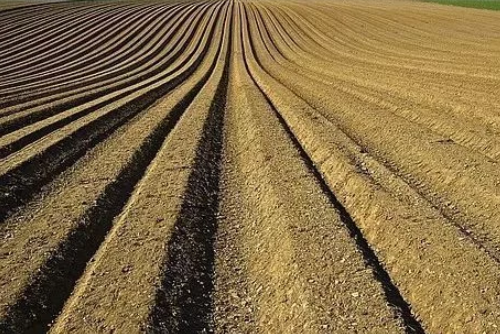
x=481 y=4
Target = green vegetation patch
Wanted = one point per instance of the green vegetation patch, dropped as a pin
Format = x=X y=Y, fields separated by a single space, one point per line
x=482 y=4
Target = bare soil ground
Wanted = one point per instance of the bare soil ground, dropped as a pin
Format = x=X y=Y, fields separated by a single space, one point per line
x=261 y=166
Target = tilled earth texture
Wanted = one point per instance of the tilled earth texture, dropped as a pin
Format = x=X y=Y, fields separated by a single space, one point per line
x=261 y=166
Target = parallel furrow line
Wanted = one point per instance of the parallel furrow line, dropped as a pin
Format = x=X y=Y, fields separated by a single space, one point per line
x=46 y=292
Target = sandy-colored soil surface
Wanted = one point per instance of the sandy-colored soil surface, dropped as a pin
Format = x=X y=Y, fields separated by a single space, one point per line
x=260 y=166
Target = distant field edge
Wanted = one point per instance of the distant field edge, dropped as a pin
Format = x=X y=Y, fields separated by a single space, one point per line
x=479 y=4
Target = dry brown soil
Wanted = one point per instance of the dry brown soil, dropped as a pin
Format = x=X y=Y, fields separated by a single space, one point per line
x=260 y=166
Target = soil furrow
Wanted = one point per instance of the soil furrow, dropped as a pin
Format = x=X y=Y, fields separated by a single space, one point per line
x=82 y=44
x=470 y=135
x=15 y=141
x=433 y=176
x=391 y=292
x=131 y=37
x=93 y=68
x=55 y=14
x=422 y=239
x=160 y=198
x=249 y=166
x=184 y=302
x=20 y=50
x=46 y=291
x=175 y=43
x=23 y=177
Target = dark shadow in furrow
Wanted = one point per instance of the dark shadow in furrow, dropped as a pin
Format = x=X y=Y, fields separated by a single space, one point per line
x=67 y=19
x=19 y=44
x=31 y=19
x=267 y=48
x=262 y=27
x=17 y=52
x=297 y=28
x=9 y=100
x=20 y=122
x=47 y=56
x=53 y=68
x=452 y=216
x=52 y=285
x=184 y=302
x=115 y=25
x=21 y=8
x=34 y=117
x=480 y=241
x=18 y=20
x=392 y=293
x=280 y=30
x=117 y=30
x=20 y=11
x=19 y=185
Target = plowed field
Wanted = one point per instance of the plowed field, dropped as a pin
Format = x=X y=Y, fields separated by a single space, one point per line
x=260 y=166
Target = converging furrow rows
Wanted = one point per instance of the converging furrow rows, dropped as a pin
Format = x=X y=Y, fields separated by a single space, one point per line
x=249 y=166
